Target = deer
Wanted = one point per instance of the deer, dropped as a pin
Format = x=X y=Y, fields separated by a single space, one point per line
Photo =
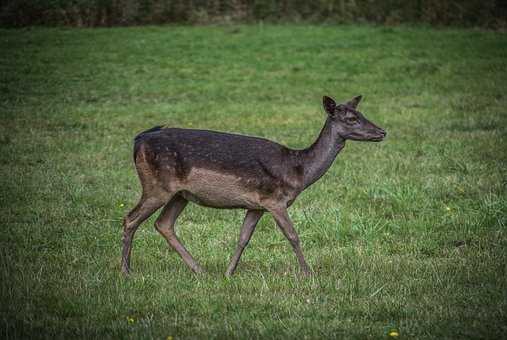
x=232 y=171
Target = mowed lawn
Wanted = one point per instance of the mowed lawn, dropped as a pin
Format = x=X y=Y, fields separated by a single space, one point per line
x=406 y=235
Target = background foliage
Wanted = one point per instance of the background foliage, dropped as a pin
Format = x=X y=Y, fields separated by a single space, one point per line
x=488 y=13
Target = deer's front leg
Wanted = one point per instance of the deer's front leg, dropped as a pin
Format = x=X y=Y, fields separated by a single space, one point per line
x=285 y=224
x=251 y=219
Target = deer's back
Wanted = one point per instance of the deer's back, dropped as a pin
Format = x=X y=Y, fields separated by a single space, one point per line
x=220 y=169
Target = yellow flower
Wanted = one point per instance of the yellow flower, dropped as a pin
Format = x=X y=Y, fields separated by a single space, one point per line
x=448 y=208
x=130 y=319
x=394 y=333
x=169 y=337
x=122 y=205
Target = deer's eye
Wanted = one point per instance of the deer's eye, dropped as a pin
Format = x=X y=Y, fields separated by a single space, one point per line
x=352 y=120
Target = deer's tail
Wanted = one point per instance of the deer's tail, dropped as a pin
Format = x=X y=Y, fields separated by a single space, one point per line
x=140 y=137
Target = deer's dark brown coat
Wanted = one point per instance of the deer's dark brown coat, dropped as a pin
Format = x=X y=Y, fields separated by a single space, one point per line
x=223 y=170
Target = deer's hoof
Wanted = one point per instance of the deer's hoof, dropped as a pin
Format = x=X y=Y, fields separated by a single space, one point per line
x=125 y=270
x=307 y=273
x=198 y=270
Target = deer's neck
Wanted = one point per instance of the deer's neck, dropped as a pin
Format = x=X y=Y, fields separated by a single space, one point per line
x=317 y=159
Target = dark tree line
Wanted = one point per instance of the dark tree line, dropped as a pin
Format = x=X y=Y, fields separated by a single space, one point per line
x=91 y=13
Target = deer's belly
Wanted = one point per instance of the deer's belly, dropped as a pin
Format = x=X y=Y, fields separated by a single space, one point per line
x=213 y=189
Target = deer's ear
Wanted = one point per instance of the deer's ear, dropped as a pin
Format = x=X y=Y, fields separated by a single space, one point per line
x=329 y=105
x=354 y=101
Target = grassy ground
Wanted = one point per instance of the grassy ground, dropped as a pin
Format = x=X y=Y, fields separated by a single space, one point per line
x=409 y=234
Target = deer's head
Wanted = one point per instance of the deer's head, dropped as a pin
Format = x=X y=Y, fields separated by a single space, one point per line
x=350 y=123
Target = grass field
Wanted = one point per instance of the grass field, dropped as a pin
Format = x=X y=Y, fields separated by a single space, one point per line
x=407 y=235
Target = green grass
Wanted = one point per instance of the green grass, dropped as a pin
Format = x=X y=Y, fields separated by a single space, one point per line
x=409 y=234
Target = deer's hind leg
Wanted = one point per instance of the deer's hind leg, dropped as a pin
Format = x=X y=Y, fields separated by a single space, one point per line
x=145 y=208
x=165 y=226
